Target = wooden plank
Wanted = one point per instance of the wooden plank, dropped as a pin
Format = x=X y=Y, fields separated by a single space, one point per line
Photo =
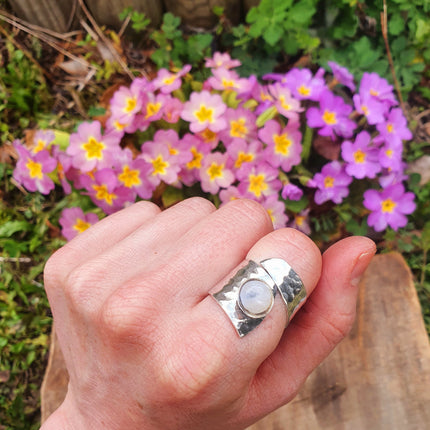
x=378 y=377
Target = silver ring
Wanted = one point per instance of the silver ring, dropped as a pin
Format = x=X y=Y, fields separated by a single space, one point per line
x=249 y=296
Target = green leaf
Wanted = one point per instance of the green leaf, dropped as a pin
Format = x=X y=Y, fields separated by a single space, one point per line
x=11 y=227
x=272 y=34
x=396 y=24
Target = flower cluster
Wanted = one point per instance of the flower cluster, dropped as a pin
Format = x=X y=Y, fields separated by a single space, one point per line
x=238 y=138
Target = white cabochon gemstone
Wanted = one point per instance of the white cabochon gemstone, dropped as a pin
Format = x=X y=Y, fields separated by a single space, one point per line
x=256 y=297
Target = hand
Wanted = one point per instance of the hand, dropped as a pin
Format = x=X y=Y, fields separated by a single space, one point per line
x=146 y=347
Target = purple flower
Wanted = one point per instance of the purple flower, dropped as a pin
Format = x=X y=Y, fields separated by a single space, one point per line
x=215 y=173
x=73 y=221
x=205 y=110
x=332 y=183
x=276 y=211
x=342 y=75
x=90 y=149
x=372 y=85
x=283 y=145
x=303 y=85
x=395 y=129
x=42 y=139
x=390 y=156
x=361 y=158
x=331 y=117
x=32 y=170
x=389 y=207
x=371 y=108
x=291 y=192
x=258 y=181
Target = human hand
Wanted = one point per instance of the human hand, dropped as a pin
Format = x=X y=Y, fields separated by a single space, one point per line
x=146 y=347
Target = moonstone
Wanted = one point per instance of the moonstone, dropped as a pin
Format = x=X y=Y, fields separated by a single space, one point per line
x=256 y=297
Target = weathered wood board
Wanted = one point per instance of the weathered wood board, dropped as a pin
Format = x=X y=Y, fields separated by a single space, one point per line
x=378 y=378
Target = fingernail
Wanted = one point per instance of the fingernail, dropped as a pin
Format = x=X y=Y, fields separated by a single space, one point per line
x=360 y=266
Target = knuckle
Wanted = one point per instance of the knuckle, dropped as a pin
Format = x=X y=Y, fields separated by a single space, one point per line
x=251 y=211
x=198 y=204
x=57 y=268
x=147 y=206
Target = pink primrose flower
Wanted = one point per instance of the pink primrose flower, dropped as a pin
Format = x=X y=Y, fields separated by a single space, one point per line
x=133 y=174
x=42 y=140
x=106 y=192
x=371 y=108
x=221 y=60
x=73 y=222
x=190 y=171
x=229 y=80
x=209 y=138
x=342 y=75
x=361 y=158
x=332 y=183
x=240 y=125
x=388 y=207
x=331 y=117
x=390 y=156
x=240 y=152
x=303 y=85
x=229 y=194
x=163 y=166
x=31 y=170
x=215 y=173
x=276 y=211
x=300 y=222
x=153 y=109
x=205 y=111
x=258 y=181
x=172 y=110
x=391 y=177
x=285 y=103
x=283 y=145
x=126 y=103
x=90 y=149
x=64 y=164
x=395 y=129
x=167 y=81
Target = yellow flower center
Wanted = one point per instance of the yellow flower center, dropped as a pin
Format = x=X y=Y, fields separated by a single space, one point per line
x=365 y=109
x=303 y=90
x=282 y=144
x=118 y=125
x=257 y=184
x=196 y=162
x=299 y=219
x=34 y=169
x=265 y=97
x=169 y=80
x=131 y=103
x=359 y=156
x=284 y=104
x=270 y=212
x=389 y=153
x=152 y=109
x=228 y=84
x=374 y=92
x=159 y=166
x=39 y=146
x=388 y=205
x=390 y=128
x=243 y=157
x=329 y=117
x=238 y=128
x=215 y=171
x=102 y=193
x=94 y=149
x=129 y=177
x=329 y=182
x=204 y=114
x=81 y=225
x=208 y=135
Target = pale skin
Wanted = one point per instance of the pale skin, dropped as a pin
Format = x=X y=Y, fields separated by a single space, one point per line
x=147 y=347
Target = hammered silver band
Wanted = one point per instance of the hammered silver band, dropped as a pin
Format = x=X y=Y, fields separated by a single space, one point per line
x=271 y=275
